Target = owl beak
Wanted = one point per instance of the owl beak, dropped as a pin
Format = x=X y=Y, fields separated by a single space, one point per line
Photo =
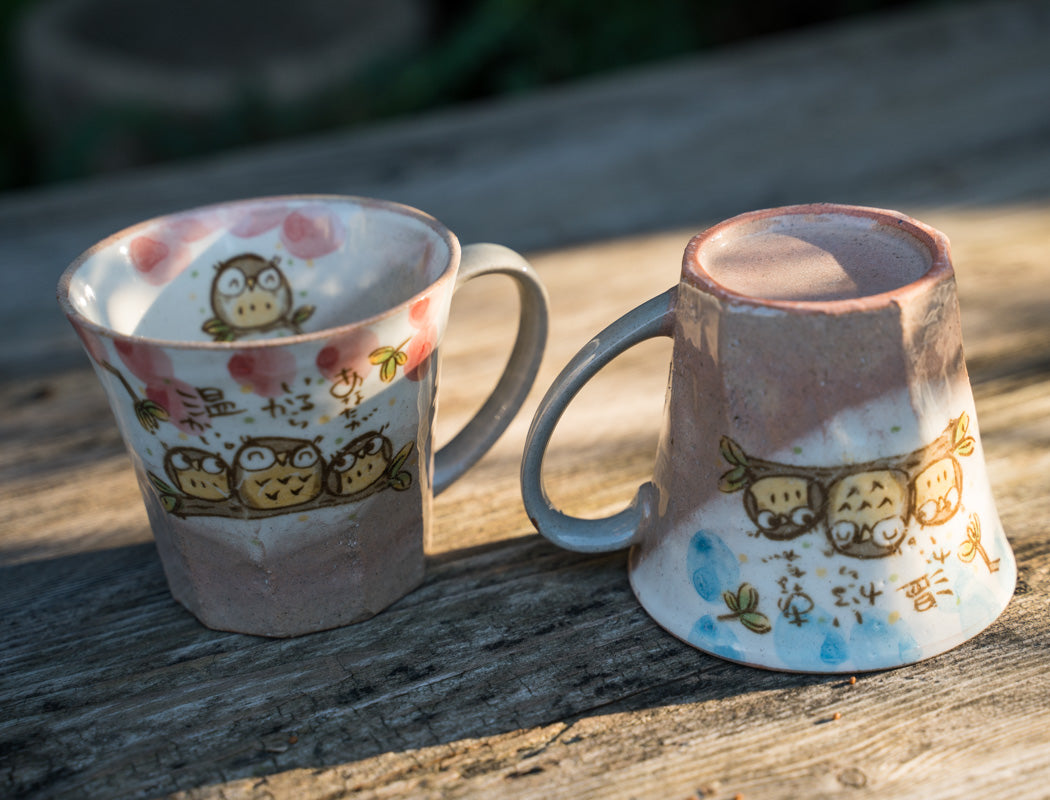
x=250 y=282
x=282 y=458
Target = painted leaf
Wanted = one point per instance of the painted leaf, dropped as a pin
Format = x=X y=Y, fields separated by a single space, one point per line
x=160 y=484
x=965 y=447
x=961 y=426
x=302 y=314
x=730 y=600
x=388 y=370
x=218 y=330
x=169 y=501
x=400 y=357
x=734 y=480
x=150 y=414
x=756 y=622
x=155 y=410
x=401 y=481
x=380 y=355
x=747 y=597
x=732 y=452
x=399 y=460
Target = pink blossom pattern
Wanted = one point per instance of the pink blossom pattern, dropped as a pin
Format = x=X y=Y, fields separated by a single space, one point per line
x=256 y=220
x=159 y=257
x=147 y=362
x=179 y=399
x=421 y=316
x=312 y=231
x=349 y=352
x=266 y=371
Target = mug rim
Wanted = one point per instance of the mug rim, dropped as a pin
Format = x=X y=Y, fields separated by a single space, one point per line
x=936 y=243
x=447 y=273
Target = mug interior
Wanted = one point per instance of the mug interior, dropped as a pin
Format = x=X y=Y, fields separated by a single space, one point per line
x=259 y=269
x=821 y=253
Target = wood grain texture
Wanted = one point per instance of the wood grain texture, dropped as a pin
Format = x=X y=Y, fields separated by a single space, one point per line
x=517 y=669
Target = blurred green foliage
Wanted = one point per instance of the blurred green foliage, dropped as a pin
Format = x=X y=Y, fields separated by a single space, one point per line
x=477 y=49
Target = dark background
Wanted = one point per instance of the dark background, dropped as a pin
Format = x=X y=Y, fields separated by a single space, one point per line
x=465 y=50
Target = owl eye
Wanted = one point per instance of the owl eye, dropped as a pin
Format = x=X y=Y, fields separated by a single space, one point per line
x=304 y=457
x=802 y=516
x=767 y=520
x=344 y=462
x=269 y=279
x=256 y=457
x=843 y=532
x=231 y=282
x=179 y=461
x=372 y=446
x=212 y=466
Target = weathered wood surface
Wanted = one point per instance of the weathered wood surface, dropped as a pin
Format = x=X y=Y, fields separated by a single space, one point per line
x=519 y=670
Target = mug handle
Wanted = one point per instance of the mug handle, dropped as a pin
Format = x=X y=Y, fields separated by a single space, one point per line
x=647 y=321
x=492 y=419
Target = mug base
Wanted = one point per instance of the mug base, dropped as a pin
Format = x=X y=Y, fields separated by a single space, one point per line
x=819 y=646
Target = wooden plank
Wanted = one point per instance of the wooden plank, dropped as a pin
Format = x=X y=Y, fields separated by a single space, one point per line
x=517 y=669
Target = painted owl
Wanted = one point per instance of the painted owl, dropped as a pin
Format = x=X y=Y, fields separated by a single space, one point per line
x=276 y=472
x=249 y=294
x=198 y=473
x=937 y=491
x=867 y=513
x=358 y=467
x=784 y=506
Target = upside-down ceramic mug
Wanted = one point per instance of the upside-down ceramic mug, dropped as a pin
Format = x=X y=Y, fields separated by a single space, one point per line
x=819 y=501
x=272 y=366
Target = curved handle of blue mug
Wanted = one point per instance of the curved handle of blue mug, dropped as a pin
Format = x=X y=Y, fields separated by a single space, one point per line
x=647 y=321
x=492 y=419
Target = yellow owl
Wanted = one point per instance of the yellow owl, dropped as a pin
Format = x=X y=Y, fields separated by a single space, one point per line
x=937 y=491
x=277 y=472
x=867 y=513
x=198 y=473
x=250 y=293
x=358 y=467
x=784 y=506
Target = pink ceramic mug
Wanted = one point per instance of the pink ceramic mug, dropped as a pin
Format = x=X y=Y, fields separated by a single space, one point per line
x=819 y=500
x=272 y=366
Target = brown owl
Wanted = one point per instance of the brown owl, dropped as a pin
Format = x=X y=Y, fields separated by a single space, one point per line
x=249 y=294
x=276 y=472
x=784 y=506
x=198 y=473
x=358 y=468
x=937 y=491
x=867 y=513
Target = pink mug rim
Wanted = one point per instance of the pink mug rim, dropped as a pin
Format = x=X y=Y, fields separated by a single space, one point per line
x=447 y=273
x=932 y=239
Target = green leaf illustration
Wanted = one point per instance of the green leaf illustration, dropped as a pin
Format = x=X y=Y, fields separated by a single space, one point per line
x=397 y=478
x=732 y=452
x=401 y=481
x=743 y=605
x=218 y=330
x=747 y=598
x=150 y=414
x=302 y=314
x=399 y=460
x=388 y=359
x=734 y=480
x=756 y=622
x=169 y=496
